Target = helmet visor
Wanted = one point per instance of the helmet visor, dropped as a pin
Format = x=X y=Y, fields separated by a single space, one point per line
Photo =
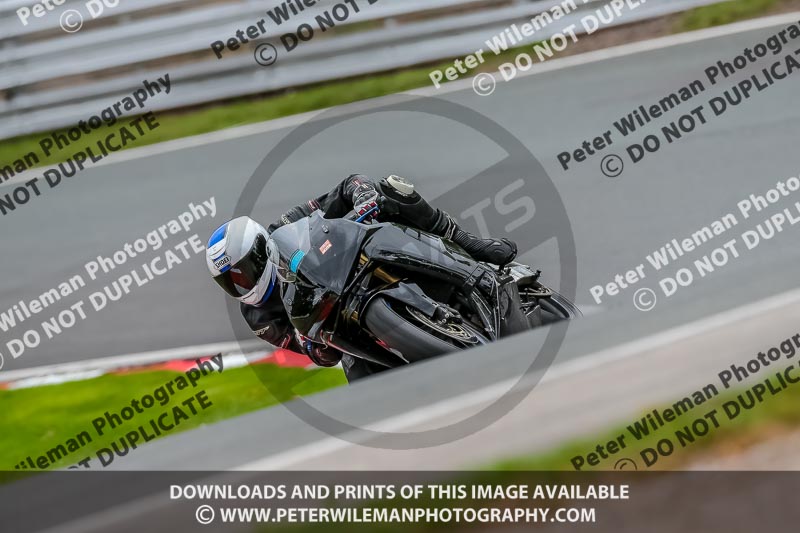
x=240 y=279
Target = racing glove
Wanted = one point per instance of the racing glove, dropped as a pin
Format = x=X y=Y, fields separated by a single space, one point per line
x=320 y=354
x=365 y=200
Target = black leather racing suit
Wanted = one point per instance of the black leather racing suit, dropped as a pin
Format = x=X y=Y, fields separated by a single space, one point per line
x=270 y=321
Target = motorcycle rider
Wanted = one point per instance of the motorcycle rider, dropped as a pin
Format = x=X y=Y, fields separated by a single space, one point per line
x=242 y=262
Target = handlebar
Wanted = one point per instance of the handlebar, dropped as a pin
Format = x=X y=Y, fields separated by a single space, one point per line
x=365 y=215
x=353 y=216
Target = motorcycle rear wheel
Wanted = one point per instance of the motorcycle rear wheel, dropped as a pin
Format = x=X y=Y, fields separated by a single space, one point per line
x=564 y=306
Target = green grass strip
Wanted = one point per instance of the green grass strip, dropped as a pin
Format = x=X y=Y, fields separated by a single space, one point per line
x=724 y=13
x=776 y=412
x=36 y=420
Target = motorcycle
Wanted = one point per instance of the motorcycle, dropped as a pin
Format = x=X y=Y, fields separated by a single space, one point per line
x=394 y=295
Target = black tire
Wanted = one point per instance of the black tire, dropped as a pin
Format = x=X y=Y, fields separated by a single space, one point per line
x=567 y=308
x=403 y=335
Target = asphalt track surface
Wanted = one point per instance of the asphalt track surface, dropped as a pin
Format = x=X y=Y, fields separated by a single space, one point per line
x=578 y=402
x=616 y=222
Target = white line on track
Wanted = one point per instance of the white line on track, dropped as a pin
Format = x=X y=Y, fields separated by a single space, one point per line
x=134 y=359
x=491 y=392
x=103 y=520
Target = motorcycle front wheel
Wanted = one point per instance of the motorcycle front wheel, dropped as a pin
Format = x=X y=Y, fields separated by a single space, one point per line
x=405 y=330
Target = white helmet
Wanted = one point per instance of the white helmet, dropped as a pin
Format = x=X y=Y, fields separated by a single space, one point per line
x=238 y=257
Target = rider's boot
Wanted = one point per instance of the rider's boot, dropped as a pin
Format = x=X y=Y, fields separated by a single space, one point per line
x=495 y=251
x=412 y=207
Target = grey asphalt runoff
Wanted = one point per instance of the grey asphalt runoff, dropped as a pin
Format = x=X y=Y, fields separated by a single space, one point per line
x=616 y=223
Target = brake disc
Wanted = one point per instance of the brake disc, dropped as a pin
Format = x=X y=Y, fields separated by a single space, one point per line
x=536 y=292
x=449 y=329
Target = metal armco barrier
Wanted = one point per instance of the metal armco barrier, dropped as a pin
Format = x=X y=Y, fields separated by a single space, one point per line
x=50 y=78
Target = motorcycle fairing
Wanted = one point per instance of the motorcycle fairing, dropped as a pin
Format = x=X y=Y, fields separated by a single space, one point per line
x=318 y=274
x=419 y=251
